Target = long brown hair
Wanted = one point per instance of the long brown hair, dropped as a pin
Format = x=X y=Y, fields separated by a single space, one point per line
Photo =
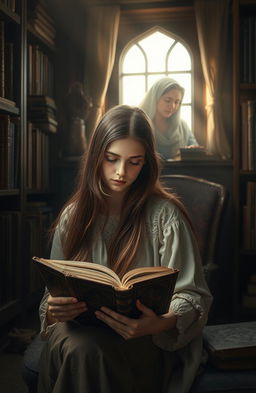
x=90 y=197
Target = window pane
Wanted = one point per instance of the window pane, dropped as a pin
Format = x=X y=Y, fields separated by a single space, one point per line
x=133 y=89
x=185 y=81
x=185 y=114
x=134 y=61
x=153 y=78
x=179 y=59
x=156 y=47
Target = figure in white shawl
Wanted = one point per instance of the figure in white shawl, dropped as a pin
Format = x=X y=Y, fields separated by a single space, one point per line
x=162 y=104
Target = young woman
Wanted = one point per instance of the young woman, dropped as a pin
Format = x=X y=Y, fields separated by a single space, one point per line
x=120 y=216
x=162 y=104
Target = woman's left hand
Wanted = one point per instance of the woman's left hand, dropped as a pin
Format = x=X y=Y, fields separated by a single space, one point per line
x=147 y=323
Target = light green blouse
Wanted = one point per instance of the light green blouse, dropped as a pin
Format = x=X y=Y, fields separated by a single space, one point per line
x=170 y=242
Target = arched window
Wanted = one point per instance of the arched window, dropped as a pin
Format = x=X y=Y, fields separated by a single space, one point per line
x=149 y=57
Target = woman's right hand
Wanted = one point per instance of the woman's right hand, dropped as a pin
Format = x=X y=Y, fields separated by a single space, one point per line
x=62 y=309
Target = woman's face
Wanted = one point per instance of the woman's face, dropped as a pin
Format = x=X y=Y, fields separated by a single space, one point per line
x=169 y=103
x=123 y=161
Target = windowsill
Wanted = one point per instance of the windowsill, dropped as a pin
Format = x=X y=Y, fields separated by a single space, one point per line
x=209 y=162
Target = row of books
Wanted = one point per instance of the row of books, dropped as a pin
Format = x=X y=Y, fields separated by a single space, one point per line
x=42 y=22
x=9 y=256
x=248 y=135
x=7 y=49
x=9 y=151
x=40 y=72
x=248 y=49
x=249 y=217
x=42 y=113
x=38 y=220
x=37 y=159
x=10 y=4
x=37 y=223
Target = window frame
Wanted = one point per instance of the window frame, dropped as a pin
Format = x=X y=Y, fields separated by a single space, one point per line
x=180 y=21
x=135 y=41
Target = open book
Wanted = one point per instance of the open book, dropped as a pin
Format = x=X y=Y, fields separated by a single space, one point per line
x=98 y=285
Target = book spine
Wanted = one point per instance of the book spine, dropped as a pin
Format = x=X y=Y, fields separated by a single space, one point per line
x=125 y=303
x=2 y=56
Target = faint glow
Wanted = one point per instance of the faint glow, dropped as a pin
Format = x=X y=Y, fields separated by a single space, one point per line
x=179 y=59
x=185 y=114
x=156 y=47
x=134 y=61
x=133 y=89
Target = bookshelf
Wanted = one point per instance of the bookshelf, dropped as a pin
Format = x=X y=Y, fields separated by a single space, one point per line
x=28 y=124
x=244 y=153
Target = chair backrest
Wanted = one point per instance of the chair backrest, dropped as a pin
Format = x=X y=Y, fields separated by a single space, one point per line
x=204 y=202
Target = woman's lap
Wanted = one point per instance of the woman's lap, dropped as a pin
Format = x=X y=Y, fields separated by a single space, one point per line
x=95 y=359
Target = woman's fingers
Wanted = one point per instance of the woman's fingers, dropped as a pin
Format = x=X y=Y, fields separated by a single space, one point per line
x=65 y=308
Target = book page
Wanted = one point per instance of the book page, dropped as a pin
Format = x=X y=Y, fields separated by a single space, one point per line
x=138 y=274
x=83 y=269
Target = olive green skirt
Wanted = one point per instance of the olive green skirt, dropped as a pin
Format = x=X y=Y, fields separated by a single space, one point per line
x=93 y=359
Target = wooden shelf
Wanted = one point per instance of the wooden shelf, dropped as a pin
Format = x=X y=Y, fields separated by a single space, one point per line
x=10 y=15
x=9 y=192
x=5 y=106
x=36 y=36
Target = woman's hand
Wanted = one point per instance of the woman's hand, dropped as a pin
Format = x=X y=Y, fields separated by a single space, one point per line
x=62 y=309
x=148 y=323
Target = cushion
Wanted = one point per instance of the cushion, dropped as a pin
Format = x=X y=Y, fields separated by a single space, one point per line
x=220 y=381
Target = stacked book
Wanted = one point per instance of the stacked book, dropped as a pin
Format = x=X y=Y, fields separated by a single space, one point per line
x=42 y=113
x=42 y=22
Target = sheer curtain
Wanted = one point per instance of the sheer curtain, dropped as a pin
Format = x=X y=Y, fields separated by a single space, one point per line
x=212 y=28
x=101 y=37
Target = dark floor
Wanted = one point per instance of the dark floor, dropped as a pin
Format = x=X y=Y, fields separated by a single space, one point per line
x=11 y=356
x=10 y=373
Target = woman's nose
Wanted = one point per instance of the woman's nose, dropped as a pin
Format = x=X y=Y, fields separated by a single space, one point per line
x=120 y=169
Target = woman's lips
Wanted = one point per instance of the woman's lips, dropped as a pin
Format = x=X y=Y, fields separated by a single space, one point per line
x=118 y=181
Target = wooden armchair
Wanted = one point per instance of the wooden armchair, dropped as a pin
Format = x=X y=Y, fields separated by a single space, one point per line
x=205 y=204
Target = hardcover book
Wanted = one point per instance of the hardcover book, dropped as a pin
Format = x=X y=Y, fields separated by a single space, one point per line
x=232 y=345
x=98 y=285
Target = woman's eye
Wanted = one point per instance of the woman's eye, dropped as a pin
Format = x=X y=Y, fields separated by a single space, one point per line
x=135 y=162
x=110 y=159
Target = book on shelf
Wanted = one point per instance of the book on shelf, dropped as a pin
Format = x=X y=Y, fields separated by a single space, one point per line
x=98 y=285
x=9 y=151
x=248 y=135
x=9 y=62
x=10 y=4
x=248 y=52
x=37 y=158
x=249 y=217
x=2 y=65
x=39 y=101
x=42 y=22
x=231 y=345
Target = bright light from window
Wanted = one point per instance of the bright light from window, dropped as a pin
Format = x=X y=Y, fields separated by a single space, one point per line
x=133 y=89
x=179 y=59
x=156 y=47
x=155 y=56
x=131 y=65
